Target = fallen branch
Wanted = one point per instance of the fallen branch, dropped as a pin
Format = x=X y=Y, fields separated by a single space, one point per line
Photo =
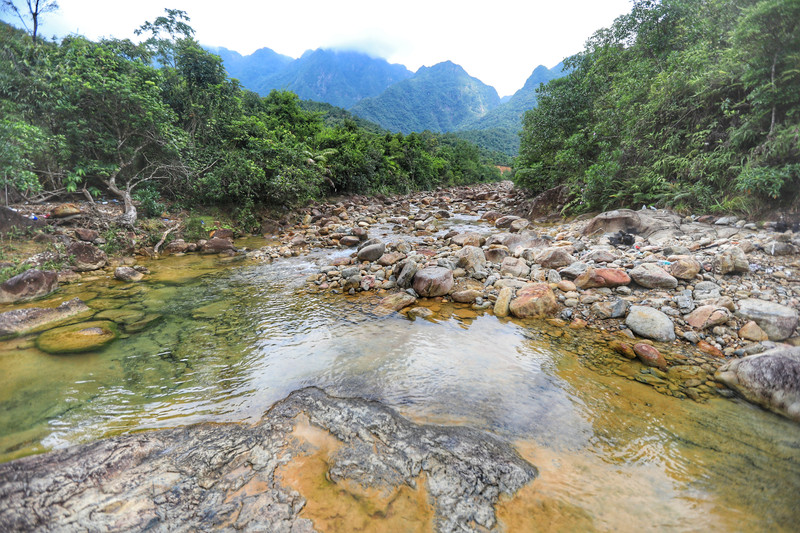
x=164 y=236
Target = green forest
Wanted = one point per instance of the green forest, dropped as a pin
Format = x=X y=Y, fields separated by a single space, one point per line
x=687 y=104
x=162 y=120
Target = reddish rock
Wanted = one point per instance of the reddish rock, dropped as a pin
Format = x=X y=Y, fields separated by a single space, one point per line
x=602 y=277
x=649 y=355
x=505 y=222
x=87 y=235
x=752 y=332
x=622 y=348
x=554 y=257
x=491 y=216
x=708 y=316
x=468 y=239
x=534 y=300
x=397 y=301
x=65 y=210
x=705 y=347
x=390 y=258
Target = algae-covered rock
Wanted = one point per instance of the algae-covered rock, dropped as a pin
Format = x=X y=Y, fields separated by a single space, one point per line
x=77 y=338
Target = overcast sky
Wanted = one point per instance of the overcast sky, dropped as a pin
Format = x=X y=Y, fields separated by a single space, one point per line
x=499 y=42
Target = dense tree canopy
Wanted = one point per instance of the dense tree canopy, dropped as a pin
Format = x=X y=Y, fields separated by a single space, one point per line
x=107 y=116
x=681 y=103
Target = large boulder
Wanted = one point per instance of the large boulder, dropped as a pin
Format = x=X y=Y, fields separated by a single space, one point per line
x=433 y=281
x=778 y=321
x=770 y=379
x=20 y=321
x=216 y=245
x=652 y=276
x=650 y=323
x=76 y=338
x=644 y=223
x=86 y=257
x=471 y=258
x=534 y=300
x=28 y=285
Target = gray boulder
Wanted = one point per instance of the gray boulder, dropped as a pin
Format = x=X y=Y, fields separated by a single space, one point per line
x=372 y=252
x=770 y=379
x=778 y=321
x=28 y=285
x=650 y=323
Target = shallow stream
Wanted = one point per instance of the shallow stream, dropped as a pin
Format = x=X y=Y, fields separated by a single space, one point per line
x=222 y=340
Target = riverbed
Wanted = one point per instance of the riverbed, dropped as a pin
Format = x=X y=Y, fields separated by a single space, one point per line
x=219 y=339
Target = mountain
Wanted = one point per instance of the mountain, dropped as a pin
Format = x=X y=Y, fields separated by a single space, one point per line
x=340 y=78
x=251 y=69
x=499 y=128
x=440 y=98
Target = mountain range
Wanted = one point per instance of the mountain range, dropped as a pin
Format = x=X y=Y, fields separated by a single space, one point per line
x=442 y=98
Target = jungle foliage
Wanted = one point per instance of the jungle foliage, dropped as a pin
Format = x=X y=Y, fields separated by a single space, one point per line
x=163 y=117
x=681 y=103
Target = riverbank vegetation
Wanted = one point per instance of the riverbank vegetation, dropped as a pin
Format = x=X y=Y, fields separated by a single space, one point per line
x=681 y=103
x=161 y=119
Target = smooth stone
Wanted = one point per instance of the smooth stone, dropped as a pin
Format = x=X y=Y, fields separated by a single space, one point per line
x=652 y=276
x=468 y=239
x=706 y=290
x=467 y=296
x=751 y=332
x=770 y=379
x=684 y=268
x=349 y=241
x=77 y=338
x=372 y=252
x=650 y=323
x=613 y=309
x=397 y=301
x=217 y=245
x=708 y=316
x=602 y=277
x=649 y=355
x=573 y=270
x=503 y=301
x=496 y=255
x=419 y=312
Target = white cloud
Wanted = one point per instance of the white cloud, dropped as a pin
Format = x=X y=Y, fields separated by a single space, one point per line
x=499 y=42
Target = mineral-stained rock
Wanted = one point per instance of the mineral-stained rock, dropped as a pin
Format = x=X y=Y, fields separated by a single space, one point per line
x=470 y=258
x=466 y=296
x=349 y=240
x=751 y=332
x=684 y=268
x=503 y=301
x=28 y=285
x=505 y=222
x=468 y=239
x=708 y=316
x=770 y=379
x=514 y=266
x=65 y=210
x=601 y=277
x=778 y=321
x=433 y=281
x=534 y=300
x=87 y=235
x=555 y=257
x=650 y=323
x=19 y=321
x=82 y=337
x=649 y=355
x=229 y=476
x=496 y=255
x=731 y=261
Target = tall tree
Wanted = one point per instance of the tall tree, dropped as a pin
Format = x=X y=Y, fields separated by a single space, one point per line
x=36 y=8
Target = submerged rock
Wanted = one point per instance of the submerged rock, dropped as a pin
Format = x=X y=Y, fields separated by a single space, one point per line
x=77 y=338
x=770 y=379
x=237 y=476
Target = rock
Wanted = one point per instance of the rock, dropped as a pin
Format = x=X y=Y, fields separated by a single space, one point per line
x=496 y=255
x=349 y=241
x=217 y=245
x=433 y=281
x=684 y=268
x=221 y=233
x=770 y=379
x=778 y=321
x=573 y=270
x=82 y=337
x=707 y=316
x=649 y=355
x=371 y=252
x=407 y=273
x=466 y=296
x=733 y=260
x=556 y=257
x=471 y=258
x=710 y=349
x=644 y=223
x=87 y=235
x=601 y=277
x=518 y=225
x=65 y=210
x=397 y=301
x=600 y=256
x=503 y=301
x=751 y=332
x=30 y=284
x=780 y=248
x=652 y=276
x=566 y=286
x=491 y=216
x=706 y=290
x=614 y=309
x=650 y=323
x=622 y=348
x=388 y=259
x=125 y=273
x=419 y=312
x=515 y=267
x=534 y=300
x=505 y=222
x=31 y=319
x=86 y=257
x=243 y=477
x=178 y=246
x=468 y=239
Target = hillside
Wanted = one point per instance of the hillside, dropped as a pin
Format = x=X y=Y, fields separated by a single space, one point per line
x=340 y=78
x=251 y=69
x=440 y=98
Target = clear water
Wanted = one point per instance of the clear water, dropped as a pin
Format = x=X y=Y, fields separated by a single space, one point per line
x=233 y=338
